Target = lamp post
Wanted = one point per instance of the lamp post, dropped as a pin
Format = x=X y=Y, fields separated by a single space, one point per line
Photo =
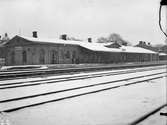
x=164 y=3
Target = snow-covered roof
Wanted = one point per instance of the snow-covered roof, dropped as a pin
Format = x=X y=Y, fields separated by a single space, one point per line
x=85 y=44
x=98 y=47
x=131 y=49
x=134 y=49
x=54 y=41
x=91 y=46
x=2 y=43
x=162 y=54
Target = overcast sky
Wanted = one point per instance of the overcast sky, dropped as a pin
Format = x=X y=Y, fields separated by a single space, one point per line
x=134 y=20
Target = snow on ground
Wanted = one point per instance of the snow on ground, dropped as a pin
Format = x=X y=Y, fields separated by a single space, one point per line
x=156 y=119
x=113 y=107
x=68 y=75
x=58 y=76
x=30 y=90
x=21 y=67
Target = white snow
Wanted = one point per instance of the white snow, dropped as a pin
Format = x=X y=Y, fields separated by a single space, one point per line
x=30 y=90
x=134 y=49
x=156 y=119
x=4 y=68
x=69 y=75
x=162 y=54
x=112 y=107
x=91 y=46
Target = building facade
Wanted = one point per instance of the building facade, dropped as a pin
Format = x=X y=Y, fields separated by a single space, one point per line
x=34 y=51
x=22 y=52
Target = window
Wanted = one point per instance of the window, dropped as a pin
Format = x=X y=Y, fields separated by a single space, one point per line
x=67 y=55
x=73 y=57
x=12 y=58
x=54 y=57
x=62 y=54
x=24 y=56
x=74 y=54
x=42 y=56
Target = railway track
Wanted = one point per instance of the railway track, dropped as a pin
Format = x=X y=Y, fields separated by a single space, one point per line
x=36 y=72
x=147 y=115
x=69 y=78
x=65 y=92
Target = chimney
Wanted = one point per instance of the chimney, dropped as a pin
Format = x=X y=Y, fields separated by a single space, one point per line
x=89 y=40
x=63 y=37
x=149 y=44
x=6 y=35
x=140 y=42
x=34 y=34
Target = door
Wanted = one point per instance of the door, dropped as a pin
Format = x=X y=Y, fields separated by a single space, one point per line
x=54 y=57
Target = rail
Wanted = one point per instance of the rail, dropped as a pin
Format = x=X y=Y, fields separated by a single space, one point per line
x=70 y=78
x=57 y=95
x=147 y=115
x=36 y=72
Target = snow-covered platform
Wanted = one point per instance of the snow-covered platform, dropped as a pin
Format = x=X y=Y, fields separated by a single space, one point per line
x=119 y=106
